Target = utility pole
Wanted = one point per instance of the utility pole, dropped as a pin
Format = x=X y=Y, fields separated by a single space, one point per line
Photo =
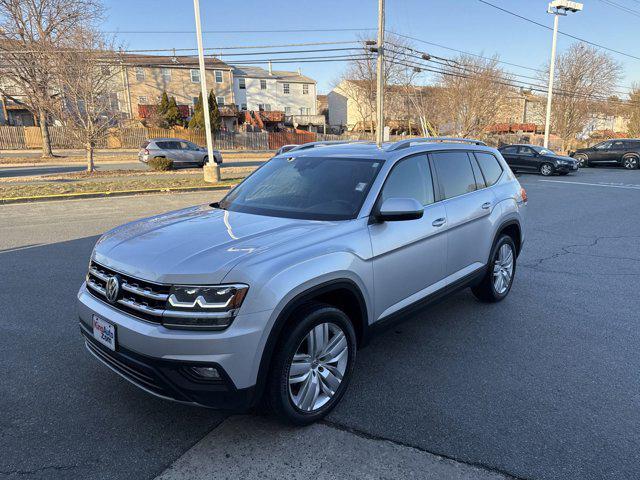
x=380 y=77
x=211 y=169
x=557 y=8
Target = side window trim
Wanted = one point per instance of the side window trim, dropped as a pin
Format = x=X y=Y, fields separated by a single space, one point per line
x=481 y=182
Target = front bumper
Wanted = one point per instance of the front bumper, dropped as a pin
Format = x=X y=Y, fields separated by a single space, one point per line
x=158 y=359
x=566 y=168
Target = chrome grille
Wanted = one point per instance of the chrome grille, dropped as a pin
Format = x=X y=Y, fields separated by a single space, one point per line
x=138 y=297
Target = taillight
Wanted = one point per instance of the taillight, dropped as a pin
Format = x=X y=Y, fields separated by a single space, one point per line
x=146 y=151
x=523 y=194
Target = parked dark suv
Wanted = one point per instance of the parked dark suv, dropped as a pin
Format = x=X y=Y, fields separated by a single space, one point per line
x=623 y=151
x=533 y=158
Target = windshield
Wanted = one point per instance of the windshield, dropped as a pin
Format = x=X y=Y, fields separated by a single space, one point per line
x=313 y=188
x=543 y=151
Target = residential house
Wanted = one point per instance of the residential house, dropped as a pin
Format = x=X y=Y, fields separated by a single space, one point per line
x=408 y=109
x=257 y=89
x=145 y=77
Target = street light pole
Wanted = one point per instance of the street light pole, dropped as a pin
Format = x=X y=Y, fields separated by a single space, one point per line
x=380 y=77
x=557 y=8
x=211 y=169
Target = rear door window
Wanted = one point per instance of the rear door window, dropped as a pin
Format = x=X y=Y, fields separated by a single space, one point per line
x=490 y=166
x=455 y=175
x=509 y=150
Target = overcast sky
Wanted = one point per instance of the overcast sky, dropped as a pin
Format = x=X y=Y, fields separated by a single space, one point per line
x=467 y=25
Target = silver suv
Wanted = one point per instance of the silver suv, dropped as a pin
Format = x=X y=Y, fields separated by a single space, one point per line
x=182 y=152
x=270 y=292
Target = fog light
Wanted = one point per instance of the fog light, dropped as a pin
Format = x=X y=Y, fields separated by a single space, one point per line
x=210 y=373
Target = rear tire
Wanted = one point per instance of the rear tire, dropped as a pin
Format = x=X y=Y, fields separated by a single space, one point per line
x=309 y=374
x=546 y=169
x=502 y=264
x=630 y=162
x=204 y=161
x=583 y=161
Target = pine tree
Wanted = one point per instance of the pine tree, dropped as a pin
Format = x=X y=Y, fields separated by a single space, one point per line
x=197 y=120
x=214 y=113
x=172 y=115
x=164 y=104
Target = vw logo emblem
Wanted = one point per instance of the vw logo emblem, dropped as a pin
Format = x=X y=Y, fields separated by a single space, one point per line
x=112 y=289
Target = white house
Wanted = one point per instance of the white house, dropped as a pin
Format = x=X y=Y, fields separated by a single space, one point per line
x=257 y=89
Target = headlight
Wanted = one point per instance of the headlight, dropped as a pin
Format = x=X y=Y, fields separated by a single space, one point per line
x=206 y=307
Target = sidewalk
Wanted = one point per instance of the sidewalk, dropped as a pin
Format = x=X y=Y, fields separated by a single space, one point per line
x=252 y=447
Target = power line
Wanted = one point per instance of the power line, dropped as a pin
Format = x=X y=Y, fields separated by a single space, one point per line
x=290 y=30
x=621 y=7
x=561 y=33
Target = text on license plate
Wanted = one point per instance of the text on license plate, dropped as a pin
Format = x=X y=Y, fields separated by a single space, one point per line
x=104 y=332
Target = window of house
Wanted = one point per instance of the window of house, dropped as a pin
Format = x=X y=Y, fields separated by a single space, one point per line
x=139 y=74
x=166 y=73
x=305 y=88
x=263 y=84
x=143 y=100
x=195 y=75
x=264 y=107
x=455 y=174
x=285 y=88
x=490 y=167
x=114 y=104
x=218 y=74
x=220 y=101
x=301 y=110
x=287 y=110
x=410 y=178
x=242 y=84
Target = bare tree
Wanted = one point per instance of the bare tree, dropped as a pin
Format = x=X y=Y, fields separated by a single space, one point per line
x=634 y=111
x=472 y=91
x=32 y=32
x=358 y=81
x=89 y=83
x=585 y=76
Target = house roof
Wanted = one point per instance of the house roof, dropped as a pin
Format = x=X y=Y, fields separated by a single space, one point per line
x=282 y=75
x=177 y=61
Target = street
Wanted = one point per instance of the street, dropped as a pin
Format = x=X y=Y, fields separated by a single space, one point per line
x=542 y=385
x=9 y=171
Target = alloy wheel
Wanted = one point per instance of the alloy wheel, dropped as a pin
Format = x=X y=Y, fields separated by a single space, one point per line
x=582 y=161
x=546 y=169
x=318 y=366
x=503 y=269
x=630 y=163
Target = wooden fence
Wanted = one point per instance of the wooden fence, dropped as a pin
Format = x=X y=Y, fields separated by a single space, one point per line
x=18 y=138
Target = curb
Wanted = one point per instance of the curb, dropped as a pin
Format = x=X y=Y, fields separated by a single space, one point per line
x=120 y=193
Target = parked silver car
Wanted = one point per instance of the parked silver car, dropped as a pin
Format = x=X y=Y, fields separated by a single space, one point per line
x=182 y=152
x=271 y=291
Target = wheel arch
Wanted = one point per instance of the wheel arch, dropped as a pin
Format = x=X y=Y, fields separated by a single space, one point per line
x=340 y=293
x=514 y=230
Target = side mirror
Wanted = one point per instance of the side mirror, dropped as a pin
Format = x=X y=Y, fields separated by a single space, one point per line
x=399 y=209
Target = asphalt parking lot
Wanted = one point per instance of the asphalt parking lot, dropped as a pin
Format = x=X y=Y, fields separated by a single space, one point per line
x=543 y=385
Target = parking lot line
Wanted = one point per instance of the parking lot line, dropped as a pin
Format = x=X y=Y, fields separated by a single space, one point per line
x=626 y=187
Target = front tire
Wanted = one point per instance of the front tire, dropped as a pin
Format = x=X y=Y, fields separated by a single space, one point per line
x=501 y=269
x=313 y=364
x=546 y=169
x=582 y=160
x=630 y=162
x=204 y=161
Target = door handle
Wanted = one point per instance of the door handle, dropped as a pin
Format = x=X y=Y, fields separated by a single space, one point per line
x=486 y=205
x=439 y=222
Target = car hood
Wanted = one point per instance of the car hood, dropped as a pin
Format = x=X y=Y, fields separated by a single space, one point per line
x=195 y=245
x=561 y=157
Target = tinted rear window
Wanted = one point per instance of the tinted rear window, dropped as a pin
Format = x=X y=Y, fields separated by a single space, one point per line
x=455 y=174
x=490 y=167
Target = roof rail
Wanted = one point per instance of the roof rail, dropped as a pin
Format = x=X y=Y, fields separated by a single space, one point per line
x=410 y=141
x=305 y=146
